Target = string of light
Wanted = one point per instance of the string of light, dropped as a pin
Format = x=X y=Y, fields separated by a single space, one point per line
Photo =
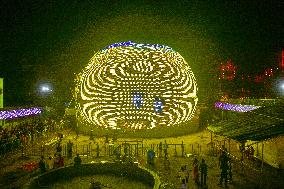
x=11 y=114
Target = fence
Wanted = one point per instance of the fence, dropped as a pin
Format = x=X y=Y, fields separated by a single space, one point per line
x=129 y=148
x=265 y=178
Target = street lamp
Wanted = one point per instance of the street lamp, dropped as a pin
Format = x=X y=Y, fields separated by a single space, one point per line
x=279 y=86
x=45 y=89
x=282 y=86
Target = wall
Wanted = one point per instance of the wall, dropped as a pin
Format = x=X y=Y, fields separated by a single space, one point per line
x=273 y=151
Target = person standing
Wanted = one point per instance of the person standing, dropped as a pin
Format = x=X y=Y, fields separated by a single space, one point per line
x=92 y=135
x=230 y=173
x=50 y=163
x=59 y=148
x=183 y=184
x=223 y=163
x=150 y=157
x=77 y=161
x=203 y=170
x=106 y=139
x=69 y=149
x=195 y=172
x=98 y=150
x=160 y=149
x=186 y=173
x=60 y=161
x=42 y=165
x=182 y=174
x=166 y=150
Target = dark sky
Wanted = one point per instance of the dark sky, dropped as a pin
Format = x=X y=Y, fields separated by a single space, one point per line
x=51 y=40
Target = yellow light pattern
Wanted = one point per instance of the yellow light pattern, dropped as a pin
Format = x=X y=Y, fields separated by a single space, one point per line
x=105 y=88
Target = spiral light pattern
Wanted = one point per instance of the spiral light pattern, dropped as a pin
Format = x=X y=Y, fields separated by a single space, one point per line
x=130 y=85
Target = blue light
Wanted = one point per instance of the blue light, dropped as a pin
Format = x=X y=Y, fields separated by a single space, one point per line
x=137 y=100
x=158 y=105
x=235 y=107
x=11 y=114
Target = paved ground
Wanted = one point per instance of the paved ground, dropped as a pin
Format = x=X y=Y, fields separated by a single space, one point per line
x=196 y=145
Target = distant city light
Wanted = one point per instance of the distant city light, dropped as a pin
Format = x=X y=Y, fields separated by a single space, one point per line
x=235 y=107
x=131 y=85
x=11 y=114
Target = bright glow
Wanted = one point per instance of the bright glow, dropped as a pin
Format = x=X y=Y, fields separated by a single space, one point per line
x=11 y=114
x=282 y=86
x=235 y=107
x=130 y=85
x=45 y=88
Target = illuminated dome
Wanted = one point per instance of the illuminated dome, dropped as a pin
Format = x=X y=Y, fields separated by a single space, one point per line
x=130 y=85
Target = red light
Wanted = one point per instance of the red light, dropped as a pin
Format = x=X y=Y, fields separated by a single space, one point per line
x=228 y=70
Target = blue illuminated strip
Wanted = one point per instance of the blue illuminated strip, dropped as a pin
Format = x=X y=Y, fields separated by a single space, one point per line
x=141 y=45
x=11 y=114
x=235 y=107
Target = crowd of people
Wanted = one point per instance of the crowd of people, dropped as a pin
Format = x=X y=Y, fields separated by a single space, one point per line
x=51 y=162
x=200 y=171
x=58 y=160
x=15 y=135
x=199 y=174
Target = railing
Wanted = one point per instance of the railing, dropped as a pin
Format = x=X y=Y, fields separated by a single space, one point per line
x=128 y=148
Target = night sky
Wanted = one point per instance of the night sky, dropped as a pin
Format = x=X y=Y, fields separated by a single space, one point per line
x=49 y=41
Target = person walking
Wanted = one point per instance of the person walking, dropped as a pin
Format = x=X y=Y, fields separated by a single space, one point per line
x=203 y=170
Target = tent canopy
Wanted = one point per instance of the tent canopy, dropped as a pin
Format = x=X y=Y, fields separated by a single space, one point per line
x=261 y=124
